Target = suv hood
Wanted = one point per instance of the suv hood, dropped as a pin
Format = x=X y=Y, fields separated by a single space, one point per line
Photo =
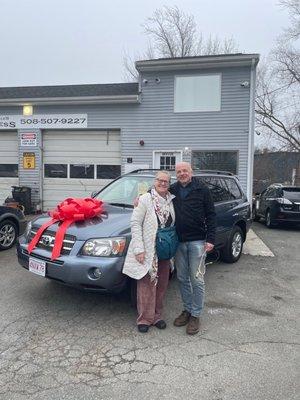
x=115 y=222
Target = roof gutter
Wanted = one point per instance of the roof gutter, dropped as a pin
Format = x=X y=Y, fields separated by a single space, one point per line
x=196 y=63
x=120 y=99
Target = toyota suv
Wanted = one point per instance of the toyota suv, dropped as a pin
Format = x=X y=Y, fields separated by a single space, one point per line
x=94 y=250
x=278 y=204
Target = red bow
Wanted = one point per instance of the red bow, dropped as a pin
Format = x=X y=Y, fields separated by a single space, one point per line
x=67 y=212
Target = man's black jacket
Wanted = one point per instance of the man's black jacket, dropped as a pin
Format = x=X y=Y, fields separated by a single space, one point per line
x=195 y=214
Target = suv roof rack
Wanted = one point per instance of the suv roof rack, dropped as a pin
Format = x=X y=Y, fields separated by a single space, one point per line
x=203 y=171
x=212 y=171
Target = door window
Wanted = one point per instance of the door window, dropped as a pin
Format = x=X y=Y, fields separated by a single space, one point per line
x=8 y=170
x=83 y=171
x=167 y=162
x=56 y=170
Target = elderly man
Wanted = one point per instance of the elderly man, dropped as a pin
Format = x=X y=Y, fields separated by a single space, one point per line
x=195 y=224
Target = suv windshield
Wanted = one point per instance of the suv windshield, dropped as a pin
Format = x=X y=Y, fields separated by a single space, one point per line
x=292 y=193
x=123 y=191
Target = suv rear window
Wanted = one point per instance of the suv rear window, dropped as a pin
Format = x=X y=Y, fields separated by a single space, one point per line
x=292 y=193
x=234 y=190
x=217 y=187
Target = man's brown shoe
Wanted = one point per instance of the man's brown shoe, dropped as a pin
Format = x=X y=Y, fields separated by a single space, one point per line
x=193 y=326
x=182 y=319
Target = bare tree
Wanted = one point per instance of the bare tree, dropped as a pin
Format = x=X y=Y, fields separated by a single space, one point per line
x=278 y=87
x=293 y=7
x=173 y=33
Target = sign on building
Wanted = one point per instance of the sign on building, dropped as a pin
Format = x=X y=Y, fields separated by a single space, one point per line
x=28 y=160
x=29 y=139
x=44 y=121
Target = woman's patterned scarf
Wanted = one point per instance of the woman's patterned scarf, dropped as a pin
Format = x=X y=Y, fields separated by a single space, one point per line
x=162 y=210
x=161 y=206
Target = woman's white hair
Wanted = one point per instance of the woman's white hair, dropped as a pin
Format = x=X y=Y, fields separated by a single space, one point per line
x=162 y=171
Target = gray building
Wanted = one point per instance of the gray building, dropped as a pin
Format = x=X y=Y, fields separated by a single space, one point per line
x=67 y=141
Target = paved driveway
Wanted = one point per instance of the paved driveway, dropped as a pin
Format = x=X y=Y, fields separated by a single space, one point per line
x=58 y=343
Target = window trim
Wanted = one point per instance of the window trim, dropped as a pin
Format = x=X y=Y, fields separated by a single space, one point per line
x=197 y=111
x=219 y=151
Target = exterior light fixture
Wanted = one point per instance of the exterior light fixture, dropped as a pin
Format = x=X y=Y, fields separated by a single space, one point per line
x=187 y=151
x=27 y=109
x=141 y=142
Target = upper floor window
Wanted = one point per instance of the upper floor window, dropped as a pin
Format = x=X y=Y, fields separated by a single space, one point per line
x=215 y=160
x=197 y=93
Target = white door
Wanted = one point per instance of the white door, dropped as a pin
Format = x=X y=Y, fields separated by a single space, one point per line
x=166 y=159
x=76 y=163
x=8 y=163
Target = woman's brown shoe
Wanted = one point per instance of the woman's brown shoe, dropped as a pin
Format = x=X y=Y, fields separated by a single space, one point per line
x=182 y=319
x=193 y=326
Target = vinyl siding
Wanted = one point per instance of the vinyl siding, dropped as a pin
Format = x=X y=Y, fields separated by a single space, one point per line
x=154 y=121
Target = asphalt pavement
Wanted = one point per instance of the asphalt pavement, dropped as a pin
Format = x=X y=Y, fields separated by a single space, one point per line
x=59 y=343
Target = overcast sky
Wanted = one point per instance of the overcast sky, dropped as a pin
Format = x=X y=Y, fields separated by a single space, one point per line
x=50 y=42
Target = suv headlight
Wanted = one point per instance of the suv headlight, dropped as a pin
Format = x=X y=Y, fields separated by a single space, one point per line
x=28 y=230
x=104 y=247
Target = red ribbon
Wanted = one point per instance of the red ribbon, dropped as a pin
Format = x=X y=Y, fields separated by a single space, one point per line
x=67 y=212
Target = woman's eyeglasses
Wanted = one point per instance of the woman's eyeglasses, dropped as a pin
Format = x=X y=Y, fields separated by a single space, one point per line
x=162 y=181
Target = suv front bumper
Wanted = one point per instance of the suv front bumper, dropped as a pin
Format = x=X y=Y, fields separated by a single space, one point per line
x=77 y=270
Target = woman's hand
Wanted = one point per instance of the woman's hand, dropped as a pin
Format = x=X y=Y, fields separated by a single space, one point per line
x=140 y=257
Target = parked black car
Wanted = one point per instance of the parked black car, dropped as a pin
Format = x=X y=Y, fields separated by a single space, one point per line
x=277 y=204
x=12 y=223
x=94 y=250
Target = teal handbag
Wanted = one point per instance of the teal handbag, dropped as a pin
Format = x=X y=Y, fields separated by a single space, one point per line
x=166 y=243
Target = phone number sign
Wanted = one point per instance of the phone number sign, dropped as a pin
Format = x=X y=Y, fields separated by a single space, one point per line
x=44 y=121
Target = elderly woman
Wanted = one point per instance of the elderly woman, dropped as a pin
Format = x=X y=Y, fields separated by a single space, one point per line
x=155 y=210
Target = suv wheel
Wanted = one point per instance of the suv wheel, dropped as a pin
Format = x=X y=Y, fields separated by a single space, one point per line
x=233 y=249
x=269 y=220
x=8 y=234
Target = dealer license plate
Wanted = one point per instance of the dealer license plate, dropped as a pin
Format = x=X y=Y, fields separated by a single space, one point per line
x=37 y=266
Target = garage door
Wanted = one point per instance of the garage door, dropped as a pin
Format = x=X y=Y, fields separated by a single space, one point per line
x=77 y=163
x=8 y=163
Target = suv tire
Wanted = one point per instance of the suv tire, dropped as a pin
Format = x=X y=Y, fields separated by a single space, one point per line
x=233 y=249
x=8 y=234
x=268 y=220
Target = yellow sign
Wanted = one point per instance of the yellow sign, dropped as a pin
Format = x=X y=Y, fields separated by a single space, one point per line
x=28 y=160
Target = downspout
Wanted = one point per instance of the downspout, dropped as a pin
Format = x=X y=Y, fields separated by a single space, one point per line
x=251 y=131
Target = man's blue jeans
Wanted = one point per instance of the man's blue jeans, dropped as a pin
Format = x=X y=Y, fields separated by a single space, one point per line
x=192 y=286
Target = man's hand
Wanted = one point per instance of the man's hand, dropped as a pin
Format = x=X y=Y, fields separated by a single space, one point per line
x=140 y=257
x=208 y=247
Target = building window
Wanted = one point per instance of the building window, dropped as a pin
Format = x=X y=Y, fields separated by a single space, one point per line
x=197 y=93
x=56 y=170
x=215 y=160
x=167 y=162
x=8 y=170
x=83 y=171
x=108 y=171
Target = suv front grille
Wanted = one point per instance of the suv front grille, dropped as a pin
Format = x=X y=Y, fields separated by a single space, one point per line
x=47 y=241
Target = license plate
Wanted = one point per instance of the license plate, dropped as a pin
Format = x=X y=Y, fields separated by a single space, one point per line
x=37 y=266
